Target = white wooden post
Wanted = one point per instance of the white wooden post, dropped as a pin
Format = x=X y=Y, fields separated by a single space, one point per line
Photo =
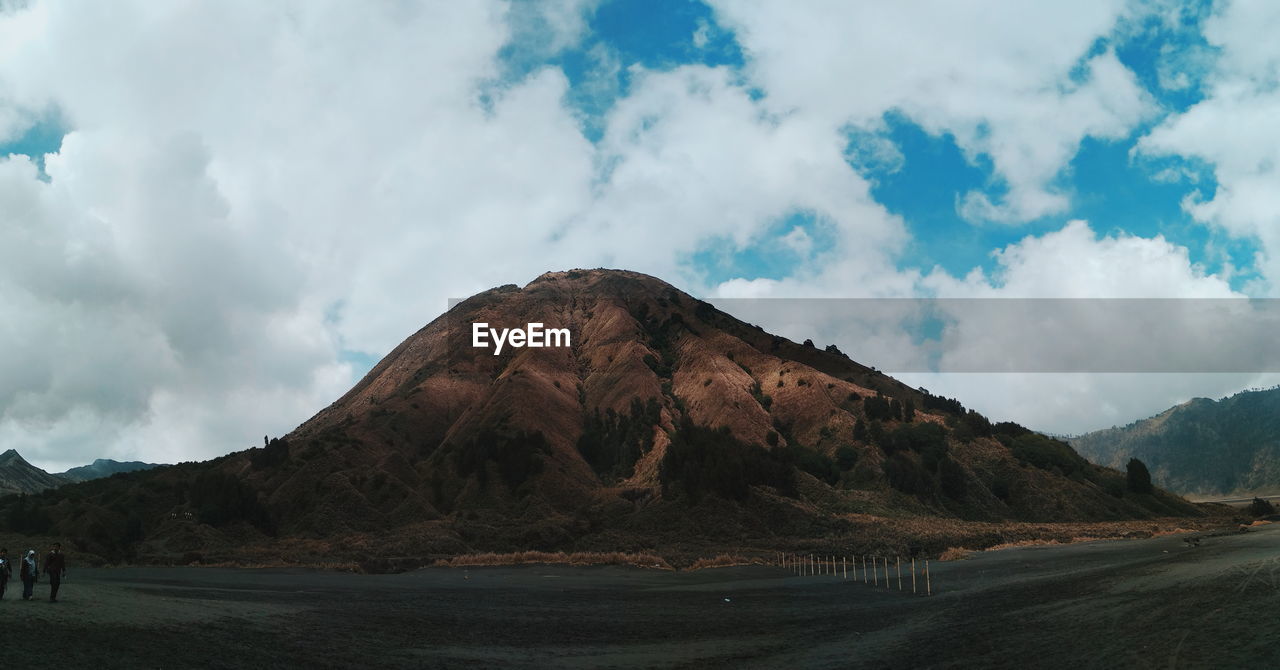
x=899 y=560
x=913 y=575
x=928 y=584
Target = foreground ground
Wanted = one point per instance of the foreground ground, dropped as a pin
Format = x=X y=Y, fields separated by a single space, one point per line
x=1129 y=603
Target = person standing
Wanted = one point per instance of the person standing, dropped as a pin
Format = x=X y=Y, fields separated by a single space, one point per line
x=6 y=570
x=55 y=565
x=29 y=574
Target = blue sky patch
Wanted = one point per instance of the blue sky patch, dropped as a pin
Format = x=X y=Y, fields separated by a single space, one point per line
x=916 y=175
x=790 y=244
x=924 y=188
x=652 y=34
x=1170 y=61
x=45 y=137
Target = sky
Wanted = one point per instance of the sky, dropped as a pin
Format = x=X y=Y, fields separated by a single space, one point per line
x=216 y=216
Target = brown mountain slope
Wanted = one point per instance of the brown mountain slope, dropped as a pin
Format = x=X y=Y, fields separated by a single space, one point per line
x=667 y=424
x=19 y=476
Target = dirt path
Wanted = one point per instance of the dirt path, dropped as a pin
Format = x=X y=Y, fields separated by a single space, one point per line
x=1138 y=603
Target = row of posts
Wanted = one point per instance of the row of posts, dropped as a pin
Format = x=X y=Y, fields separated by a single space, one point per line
x=880 y=571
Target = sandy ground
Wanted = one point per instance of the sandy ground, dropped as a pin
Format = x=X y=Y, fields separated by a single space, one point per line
x=1132 y=603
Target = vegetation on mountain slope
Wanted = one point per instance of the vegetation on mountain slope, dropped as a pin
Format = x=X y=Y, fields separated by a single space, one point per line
x=1205 y=447
x=668 y=425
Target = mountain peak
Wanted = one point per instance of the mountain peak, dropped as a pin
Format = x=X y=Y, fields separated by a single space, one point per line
x=466 y=427
x=19 y=476
x=658 y=402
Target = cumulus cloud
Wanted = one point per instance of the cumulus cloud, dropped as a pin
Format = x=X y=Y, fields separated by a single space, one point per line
x=1233 y=130
x=252 y=194
x=1032 y=339
x=1015 y=84
x=249 y=194
x=1075 y=262
x=213 y=233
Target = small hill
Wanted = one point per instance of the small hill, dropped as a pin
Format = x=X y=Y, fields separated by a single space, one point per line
x=666 y=426
x=103 y=467
x=1205 y=447
x=19 y=476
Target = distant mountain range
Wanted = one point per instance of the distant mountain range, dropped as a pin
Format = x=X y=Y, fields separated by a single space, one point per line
x=19 y=476
x=1204 y=447
x=103 y=467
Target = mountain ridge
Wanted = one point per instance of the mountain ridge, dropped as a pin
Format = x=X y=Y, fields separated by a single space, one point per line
x=103 y=467
x=1229 y=446
x=19 y=476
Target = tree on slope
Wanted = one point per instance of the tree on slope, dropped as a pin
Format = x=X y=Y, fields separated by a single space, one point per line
x=1139 y=476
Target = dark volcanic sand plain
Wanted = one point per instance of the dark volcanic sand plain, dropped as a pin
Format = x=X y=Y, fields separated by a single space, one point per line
x=1153 y=603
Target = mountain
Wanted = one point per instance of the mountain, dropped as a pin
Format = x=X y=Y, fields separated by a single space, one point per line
x=1206 y=447
x=19 y=476
x=666 y=425
x=103 y=467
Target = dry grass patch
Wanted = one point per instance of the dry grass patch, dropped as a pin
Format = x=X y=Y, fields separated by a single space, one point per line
x=1171 y=531
x=725 y=561
x=955 y=554
x=556 y=558
x=333 y=566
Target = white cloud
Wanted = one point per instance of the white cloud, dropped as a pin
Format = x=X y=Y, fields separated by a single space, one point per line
x=702 y=34
x=229 y=215
x=237 y=176
x=1233 y=129
x=994 y=334
x=251 y=189
x=1012 y=82
x=691 y=156
x=1076 y=263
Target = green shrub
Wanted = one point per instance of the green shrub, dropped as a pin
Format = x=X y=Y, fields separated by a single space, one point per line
x=221 y=498
x=815 y=463
x=927 y=439
x=27 y=515
x=951 y=478
x=705 y=461
x=906 y=475
x=517 y=456
x=611 y=443
x=1260 y=507
x=1046 y=453
x=1138 y=477
x=1001 y=488
x=274 y=453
